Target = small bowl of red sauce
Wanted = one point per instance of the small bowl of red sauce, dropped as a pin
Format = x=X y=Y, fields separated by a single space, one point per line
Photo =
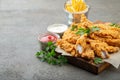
x=47 y=37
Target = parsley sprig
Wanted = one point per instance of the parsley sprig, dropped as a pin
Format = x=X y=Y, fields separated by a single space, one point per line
x=115 y=25
x=82 y=31
x=97 y=60
x=95 y=28
x=48 y=55
x=73 y=27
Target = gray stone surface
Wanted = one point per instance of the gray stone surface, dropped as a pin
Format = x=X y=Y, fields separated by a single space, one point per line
x=20 y=23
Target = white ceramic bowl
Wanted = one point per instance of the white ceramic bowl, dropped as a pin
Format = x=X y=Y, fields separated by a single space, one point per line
x=44 y=44
x=57 y=28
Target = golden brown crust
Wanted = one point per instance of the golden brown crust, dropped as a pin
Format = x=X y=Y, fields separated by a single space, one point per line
x=99 y=43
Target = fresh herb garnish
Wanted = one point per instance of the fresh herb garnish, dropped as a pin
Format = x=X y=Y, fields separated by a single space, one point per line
x=95 y=28
x=82 y=31
x=73 y=27
x=97 y=60
x=112 y=24
x=48 y=55
x=115 y=25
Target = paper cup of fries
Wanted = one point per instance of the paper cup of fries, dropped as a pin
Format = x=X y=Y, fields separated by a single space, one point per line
x=75 y=15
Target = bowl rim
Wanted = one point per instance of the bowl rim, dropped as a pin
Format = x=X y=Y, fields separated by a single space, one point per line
x=66 y=27
x=47 y=33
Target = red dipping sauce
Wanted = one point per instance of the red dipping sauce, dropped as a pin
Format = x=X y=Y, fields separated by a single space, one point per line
x=48 y=38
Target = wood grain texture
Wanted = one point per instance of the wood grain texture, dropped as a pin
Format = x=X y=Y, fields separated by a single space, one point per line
x=81 y=63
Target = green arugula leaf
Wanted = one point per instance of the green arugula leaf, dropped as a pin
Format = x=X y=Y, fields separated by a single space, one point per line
x=48 y=55
x=97 y=60
x=115 y=25
x=82 y=31
x=95 y=28
x=73 y=27
x=87 y=31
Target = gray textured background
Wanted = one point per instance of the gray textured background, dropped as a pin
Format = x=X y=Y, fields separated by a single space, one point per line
x=20 y=23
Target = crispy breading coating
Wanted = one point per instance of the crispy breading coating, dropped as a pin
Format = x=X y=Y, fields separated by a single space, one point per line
x=99 y=48
x=84 y=23
x=115 y=29
x=108 y=34
x=113 y=42
x=85 y=51
x=95 y=44
x=68 y=47
x=112 y=49
x=82 y=41
x=88 y=53
x=70 y=36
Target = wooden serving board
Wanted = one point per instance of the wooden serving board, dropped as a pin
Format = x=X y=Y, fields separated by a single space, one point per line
x=79 y=62
x=93 y=68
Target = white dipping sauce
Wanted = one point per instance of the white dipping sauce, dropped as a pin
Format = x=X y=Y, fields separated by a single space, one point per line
x=57 y=28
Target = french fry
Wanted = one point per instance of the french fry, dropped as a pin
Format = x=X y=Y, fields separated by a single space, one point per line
x=76 y=6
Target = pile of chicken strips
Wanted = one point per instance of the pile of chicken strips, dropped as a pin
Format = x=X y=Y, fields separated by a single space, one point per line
x=89 y=40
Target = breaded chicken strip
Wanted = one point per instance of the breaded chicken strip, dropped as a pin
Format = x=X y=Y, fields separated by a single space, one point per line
x=84 y=23
x=70 y=36
x=81 y=44
x=65 y=45
x=94 y=43
x=112 y=49
x=115 y=29
x=106 y=26
x=68 y=47
x=102 y=26
x=108 y=34
x=111 y=42
x=83 y=48
x=99 y=48
x=88 y=53
x=95 y=37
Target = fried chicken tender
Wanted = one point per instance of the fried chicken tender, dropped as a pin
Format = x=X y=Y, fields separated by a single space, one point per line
x=81 y=42
x=99 y=43
x=68 y=47
x=65 y=45
x=112 y=49
x=83 y=48
x=84 y=23
x=108 y=34
x=88 y=53
x=102 y=49
x=94 y=37
x=99 y=48
x=102 y=26
x=70 y=36
x=115 y=29
x=111 y=42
